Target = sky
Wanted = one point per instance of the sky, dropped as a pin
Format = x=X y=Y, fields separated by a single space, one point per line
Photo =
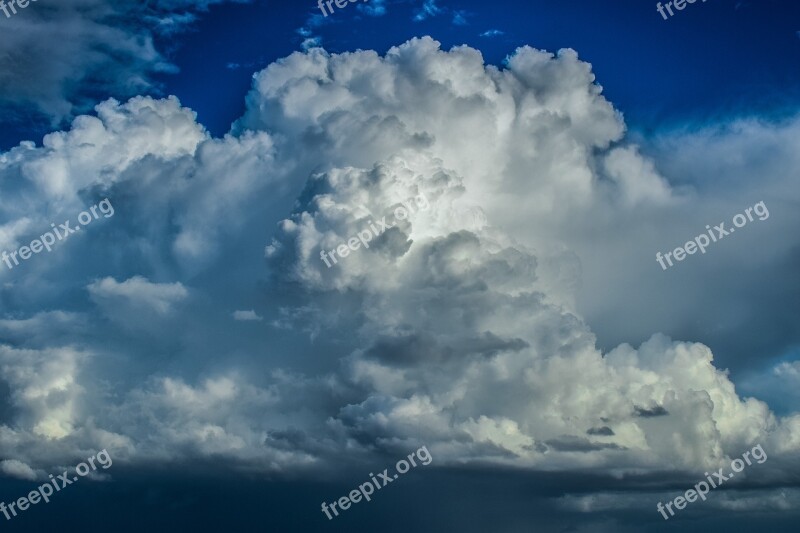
x=256 y=254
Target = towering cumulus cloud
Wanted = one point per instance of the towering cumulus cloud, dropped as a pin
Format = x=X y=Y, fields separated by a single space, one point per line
x=457 y=328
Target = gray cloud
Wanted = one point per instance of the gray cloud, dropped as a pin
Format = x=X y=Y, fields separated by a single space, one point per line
x=104 y=48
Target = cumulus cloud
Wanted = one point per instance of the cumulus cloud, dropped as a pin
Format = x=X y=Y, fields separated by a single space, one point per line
x=459 y=328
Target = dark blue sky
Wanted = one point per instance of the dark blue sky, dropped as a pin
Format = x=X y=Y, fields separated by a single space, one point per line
x=710 y=61
x=655 y=71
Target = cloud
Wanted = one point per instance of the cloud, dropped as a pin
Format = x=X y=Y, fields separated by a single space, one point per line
x=314 y=22
x=17 y=469
x=311 y=42
x=104 y=48
x=45 y=391
x=460 y=18
x=731 y=500
x=427 y=10
x=492 y=33
x=438 y=257
x=137 y=293
x=636 y=177
x=790 y=370
x=375 y=8
x=246 y=316
x=460 y=328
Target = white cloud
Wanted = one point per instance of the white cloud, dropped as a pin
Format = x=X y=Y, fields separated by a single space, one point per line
x=459 y=328
x=17 y=469
x=311 y=42
x=636 y=177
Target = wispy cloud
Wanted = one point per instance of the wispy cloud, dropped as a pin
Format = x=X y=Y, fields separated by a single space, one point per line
x=374 y=8
x=311 y=42
x=113 y=46
x=428 y=9
x=492 y=33
x=460 y=18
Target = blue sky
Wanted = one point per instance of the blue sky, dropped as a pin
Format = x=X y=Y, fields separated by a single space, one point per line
x=709 y=62
x=519 y=325
x=655 y=71
x=675 y=73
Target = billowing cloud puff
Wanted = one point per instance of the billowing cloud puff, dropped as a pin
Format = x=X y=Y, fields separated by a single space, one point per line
x=45 y=388
x=457 y=325
x=438 y=367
